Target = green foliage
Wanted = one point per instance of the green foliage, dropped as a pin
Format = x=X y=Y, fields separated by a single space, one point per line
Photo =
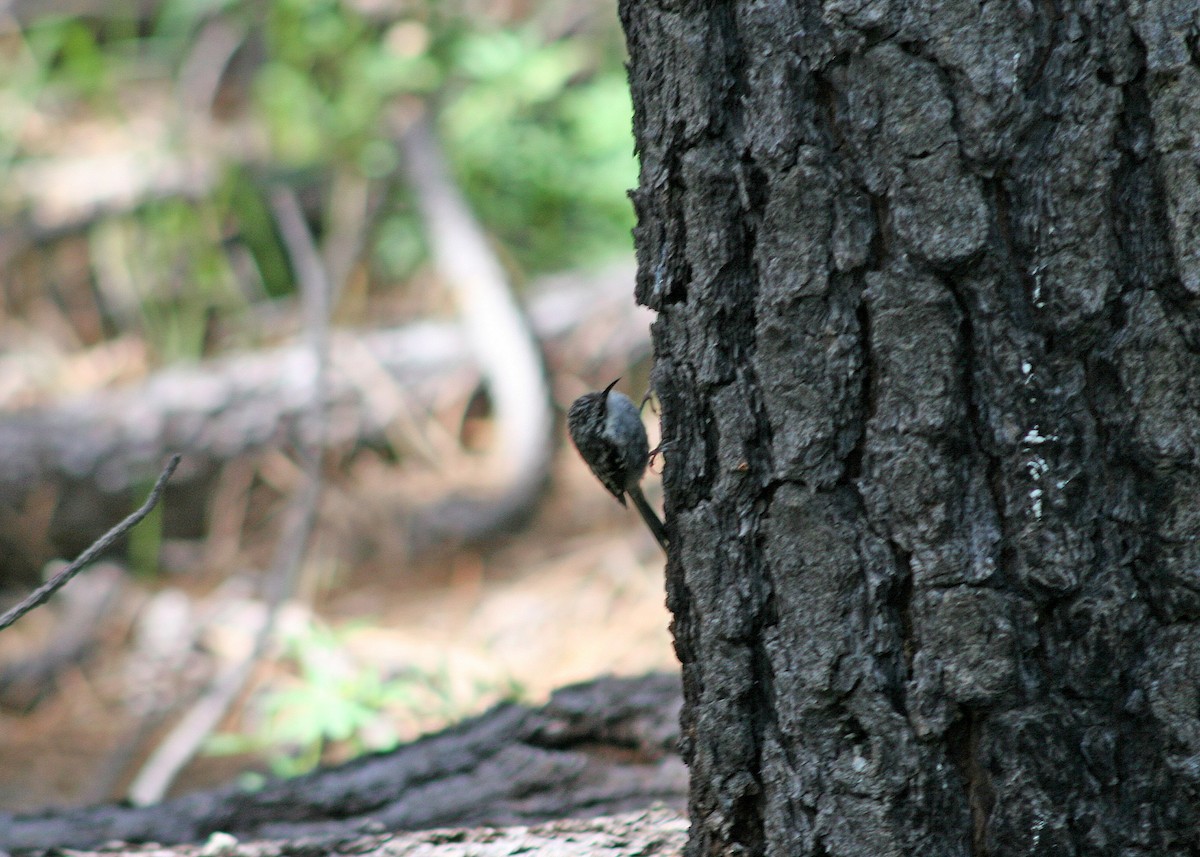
x=161 y=270
x=536 y=130
x=543 y=146
x=340 y=707
x=240 y=194
x=326 y=82
x=69 y=57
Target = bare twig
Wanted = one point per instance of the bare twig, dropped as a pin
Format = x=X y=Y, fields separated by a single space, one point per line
x=27 y=682
x=42 y=594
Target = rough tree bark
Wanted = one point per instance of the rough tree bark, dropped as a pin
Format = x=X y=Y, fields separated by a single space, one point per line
x=928 y=276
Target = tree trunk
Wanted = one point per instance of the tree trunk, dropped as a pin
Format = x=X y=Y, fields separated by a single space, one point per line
x=928 y=351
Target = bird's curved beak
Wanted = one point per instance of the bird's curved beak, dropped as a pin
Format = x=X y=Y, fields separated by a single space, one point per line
x=608 y=389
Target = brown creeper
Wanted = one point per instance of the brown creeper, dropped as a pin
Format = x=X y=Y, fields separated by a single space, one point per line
x=607 y=429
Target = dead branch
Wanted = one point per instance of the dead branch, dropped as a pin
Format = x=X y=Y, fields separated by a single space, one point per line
x=87 y=605
x=42 y=594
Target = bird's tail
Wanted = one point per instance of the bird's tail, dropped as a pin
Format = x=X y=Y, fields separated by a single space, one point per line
x=649 y=515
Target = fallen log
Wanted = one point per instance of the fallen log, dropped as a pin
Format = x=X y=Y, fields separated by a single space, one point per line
x=88 y=452
x=219 y=410
x=600 y=748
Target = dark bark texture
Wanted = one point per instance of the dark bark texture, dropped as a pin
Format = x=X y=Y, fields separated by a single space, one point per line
x=928 y=351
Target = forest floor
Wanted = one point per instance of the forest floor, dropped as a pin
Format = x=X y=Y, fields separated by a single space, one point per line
x=577 y=594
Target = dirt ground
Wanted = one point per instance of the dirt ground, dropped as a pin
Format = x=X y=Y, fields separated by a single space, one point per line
x=578 y=594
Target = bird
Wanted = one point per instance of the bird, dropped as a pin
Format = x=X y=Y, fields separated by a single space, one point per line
x=606 y=428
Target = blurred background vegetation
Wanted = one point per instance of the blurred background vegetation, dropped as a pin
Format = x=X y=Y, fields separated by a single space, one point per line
x=139 y=144
x=150 y=131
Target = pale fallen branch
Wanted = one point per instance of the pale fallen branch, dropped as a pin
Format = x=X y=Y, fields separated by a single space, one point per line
x=500 y=337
